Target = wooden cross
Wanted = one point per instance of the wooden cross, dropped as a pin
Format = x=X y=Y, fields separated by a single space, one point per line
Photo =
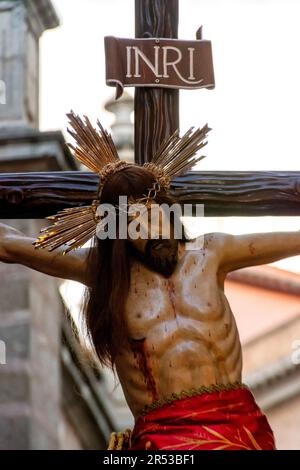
x=37 y=195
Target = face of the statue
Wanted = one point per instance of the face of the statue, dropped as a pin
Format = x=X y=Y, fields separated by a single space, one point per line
x=159 y=255
x=156 y=251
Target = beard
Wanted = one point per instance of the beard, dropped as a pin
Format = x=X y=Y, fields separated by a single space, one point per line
x=159 y=255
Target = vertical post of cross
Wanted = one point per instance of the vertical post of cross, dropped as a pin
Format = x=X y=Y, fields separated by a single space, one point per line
x=156 y=110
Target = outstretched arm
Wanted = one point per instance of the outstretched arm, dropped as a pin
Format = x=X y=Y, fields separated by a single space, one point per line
x=239 y=251
x=15 y=247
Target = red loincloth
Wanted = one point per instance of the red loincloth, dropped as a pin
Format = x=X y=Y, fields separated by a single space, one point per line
x=218 y=420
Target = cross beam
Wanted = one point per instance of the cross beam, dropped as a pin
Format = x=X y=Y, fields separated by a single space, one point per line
x=251 y=193
x=36 y=195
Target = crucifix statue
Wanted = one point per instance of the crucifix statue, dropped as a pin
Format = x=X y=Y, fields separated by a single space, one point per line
x=155 y=306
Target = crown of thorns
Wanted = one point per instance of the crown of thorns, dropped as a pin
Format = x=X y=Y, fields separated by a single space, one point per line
x=95 y=149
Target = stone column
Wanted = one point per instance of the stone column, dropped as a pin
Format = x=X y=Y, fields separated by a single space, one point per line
x=30 y=307
x=21 y=24
x=122 y=127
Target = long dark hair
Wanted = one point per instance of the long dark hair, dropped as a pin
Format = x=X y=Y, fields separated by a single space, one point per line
x=109 y=265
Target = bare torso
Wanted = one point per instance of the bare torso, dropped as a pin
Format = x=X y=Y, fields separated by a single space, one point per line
x=182 y=331
x=183 y=334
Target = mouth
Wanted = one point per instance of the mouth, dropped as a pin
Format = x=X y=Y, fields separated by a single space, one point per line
x=159 y=255
x=162 y=255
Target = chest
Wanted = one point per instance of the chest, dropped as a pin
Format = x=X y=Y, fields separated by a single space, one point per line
x=190 y=294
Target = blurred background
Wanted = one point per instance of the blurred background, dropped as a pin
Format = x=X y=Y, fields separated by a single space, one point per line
x=51 y=61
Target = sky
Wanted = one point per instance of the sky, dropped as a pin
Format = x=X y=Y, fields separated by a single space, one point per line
x=254 y=111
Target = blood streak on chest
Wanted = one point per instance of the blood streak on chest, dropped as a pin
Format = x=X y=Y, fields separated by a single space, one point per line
x=138 y=347
x=171 y=291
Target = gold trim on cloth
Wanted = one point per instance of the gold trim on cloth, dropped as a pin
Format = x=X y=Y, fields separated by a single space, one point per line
x=193 y=392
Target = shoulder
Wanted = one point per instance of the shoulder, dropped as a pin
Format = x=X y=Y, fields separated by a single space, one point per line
x=213 y=241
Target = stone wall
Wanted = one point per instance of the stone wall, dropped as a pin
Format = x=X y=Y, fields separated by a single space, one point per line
x=30 y=380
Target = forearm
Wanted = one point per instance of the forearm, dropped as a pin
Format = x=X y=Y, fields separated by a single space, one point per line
x=18 y=248
x=259 y=248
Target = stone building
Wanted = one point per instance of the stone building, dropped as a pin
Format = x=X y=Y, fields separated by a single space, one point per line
x=49 y=398
x=269 y=326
